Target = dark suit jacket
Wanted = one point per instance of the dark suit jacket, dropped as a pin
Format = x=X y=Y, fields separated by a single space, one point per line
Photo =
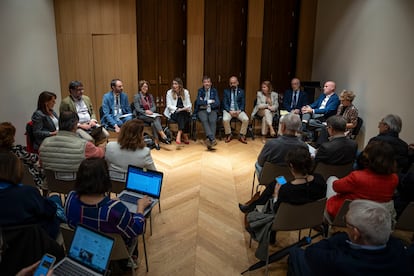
x=338 y=151
x=239 y=98
x=42 y=126
x=200 y=102
x=330 y=108
x=301 y=101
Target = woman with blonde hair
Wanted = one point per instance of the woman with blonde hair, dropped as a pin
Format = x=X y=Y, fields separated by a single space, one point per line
x=266 y=107
x=130 y=149
x=179 y=109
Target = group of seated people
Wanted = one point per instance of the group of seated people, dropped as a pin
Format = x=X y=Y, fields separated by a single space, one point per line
x=375 y=179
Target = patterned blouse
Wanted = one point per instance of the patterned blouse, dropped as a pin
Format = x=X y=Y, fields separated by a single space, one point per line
x=31 y=160
x=350 y=114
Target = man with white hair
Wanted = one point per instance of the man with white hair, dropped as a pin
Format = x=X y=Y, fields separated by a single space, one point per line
x=365 y=249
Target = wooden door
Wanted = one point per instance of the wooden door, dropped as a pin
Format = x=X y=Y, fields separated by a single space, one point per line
x=225 y=41
x=161 y=39
x=279 y=46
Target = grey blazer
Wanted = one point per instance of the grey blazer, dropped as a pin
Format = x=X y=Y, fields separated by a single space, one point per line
x=261 y=102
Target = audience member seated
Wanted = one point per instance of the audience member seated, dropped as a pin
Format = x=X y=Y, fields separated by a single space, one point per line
x=266 y=107
x=45 y=120
x=294 y=98
x=115 y=107
x=66 y=150
x=389 y=129
x=91 y=205
x=339 y=150
x=179 y=109
x=206 y=107
x=304 y=188
x=145 y=110
x=376 y=182
x=82 y=105
x=365 y=249
x=22 y=204
x=130 y=148
x=405 y=191
x=347 y=110
x=274 y=151
x=324 y=107
x=234 y=107
x=31 y=160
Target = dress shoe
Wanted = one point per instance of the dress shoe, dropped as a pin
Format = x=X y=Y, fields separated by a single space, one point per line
x=245 y=208
x=228 y=138
x=208 y=143
x=166 y=140
x=186 y=141
x=214 y=143
x=243 y=139
x=177 y=142
x=157 y=146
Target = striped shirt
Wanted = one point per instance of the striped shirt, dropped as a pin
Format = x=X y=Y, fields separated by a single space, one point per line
x=108 y=216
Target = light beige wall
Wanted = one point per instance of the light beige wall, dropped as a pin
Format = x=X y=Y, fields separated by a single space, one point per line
x=366 y=46
x=28 y=59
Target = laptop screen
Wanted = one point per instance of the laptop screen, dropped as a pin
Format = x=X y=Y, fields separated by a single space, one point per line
x=145 y=182
x=91 y=248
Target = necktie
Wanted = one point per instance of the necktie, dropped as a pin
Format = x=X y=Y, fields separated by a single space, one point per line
x=234 y=100
x=294 y=99
x=208 y=98
x=116 y=109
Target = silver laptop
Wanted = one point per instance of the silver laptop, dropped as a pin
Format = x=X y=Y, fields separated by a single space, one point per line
x=141 y=182
x=89 y=254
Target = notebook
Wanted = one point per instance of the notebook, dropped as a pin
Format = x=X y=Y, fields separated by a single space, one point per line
x=141 y=182
x=89 y=253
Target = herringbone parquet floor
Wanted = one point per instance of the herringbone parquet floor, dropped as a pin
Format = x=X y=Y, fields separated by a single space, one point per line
x=200 y=230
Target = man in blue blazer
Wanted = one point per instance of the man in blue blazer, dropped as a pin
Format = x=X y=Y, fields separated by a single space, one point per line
x=115 y=107
x=324 y=107
x=234 y=107
x=294 y=99
x=206 y=107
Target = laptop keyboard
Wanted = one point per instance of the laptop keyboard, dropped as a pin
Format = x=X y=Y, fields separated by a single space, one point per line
x=69 y=269
x=129 y=198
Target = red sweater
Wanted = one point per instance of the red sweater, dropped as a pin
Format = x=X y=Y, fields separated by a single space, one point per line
x=362 y=184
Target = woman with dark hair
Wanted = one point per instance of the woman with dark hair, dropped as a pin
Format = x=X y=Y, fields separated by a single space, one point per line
x=179 y=109
x=45 y=120
x=145 y=111
x=31 y=160
x=21 y=204
x=377 y=182
x=305 y=187
x=130 y=148
x=91 y=205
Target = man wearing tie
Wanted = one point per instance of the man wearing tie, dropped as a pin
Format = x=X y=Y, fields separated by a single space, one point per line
x=324 y=107
x=115 y=107
x=233 y=107
x=206 y=107
x=294 y=99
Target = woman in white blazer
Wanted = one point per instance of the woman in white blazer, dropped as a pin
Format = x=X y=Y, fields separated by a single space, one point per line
x=179 y=109
x=266 y=107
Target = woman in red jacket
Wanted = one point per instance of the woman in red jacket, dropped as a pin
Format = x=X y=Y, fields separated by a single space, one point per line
x=376 y=182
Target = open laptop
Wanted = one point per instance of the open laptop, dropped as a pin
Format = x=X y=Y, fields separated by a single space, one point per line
x=89 y=253
x=141 y=182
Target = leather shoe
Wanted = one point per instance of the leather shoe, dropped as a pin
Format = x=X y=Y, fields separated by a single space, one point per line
x=243 y=139
x=157 y=147
x=228 y=138
x=166 y=140
x=245 y=208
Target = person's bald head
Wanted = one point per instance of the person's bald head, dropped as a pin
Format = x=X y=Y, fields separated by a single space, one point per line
x=329 y=87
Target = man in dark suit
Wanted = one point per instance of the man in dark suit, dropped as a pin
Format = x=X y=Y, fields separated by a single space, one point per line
x=234 y=107
x=294 y=99
x=340 y=150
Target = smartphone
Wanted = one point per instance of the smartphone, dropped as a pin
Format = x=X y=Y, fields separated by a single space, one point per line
x=281 y=180
x=45 y=265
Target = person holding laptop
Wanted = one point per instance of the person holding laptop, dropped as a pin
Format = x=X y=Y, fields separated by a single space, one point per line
x=91 y=205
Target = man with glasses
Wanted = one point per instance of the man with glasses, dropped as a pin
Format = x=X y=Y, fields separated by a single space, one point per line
x=365 y=249
x=294 y=99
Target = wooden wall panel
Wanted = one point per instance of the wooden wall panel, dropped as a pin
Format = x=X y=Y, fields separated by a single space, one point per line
x=195 y=45
x=111 y=54
x=306 y=37
x=75 y=52
x=253 y=51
